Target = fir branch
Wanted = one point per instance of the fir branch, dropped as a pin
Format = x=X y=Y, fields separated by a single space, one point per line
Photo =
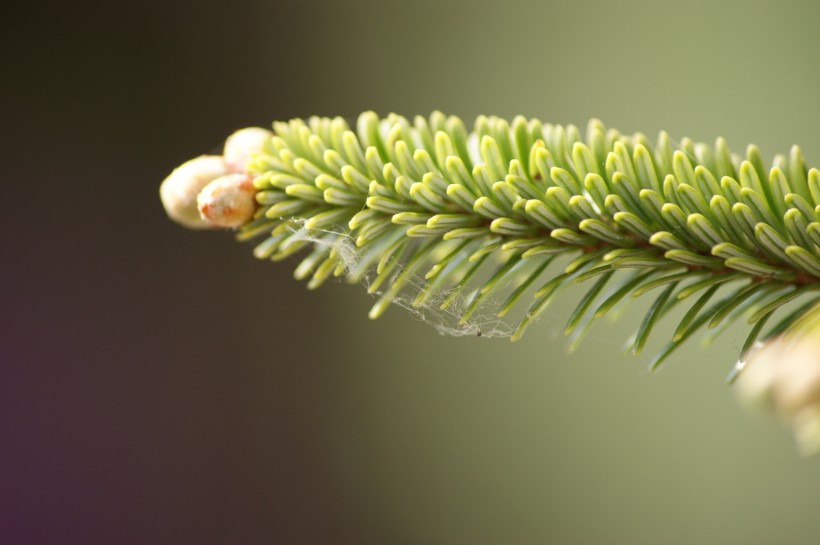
x=500 y=205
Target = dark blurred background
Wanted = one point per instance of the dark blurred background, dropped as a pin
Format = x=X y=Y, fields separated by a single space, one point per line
x=161 y=386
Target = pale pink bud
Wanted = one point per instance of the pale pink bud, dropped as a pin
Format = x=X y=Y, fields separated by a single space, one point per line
x=755 y=383
x=785 y=373
x=180 y=189
x=797 y=382
x=228 y=201
x=242 y=145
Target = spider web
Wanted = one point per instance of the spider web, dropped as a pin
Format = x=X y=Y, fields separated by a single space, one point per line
x=483 y=321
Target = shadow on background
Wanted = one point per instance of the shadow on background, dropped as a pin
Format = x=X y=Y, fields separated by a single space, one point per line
x=162 y=386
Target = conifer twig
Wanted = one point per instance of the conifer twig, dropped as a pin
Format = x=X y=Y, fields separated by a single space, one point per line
x=496 y=208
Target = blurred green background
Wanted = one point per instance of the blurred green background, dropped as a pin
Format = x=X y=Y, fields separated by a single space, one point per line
x=165 y=387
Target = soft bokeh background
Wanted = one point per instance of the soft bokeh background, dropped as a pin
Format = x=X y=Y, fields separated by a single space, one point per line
x=162 y=386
